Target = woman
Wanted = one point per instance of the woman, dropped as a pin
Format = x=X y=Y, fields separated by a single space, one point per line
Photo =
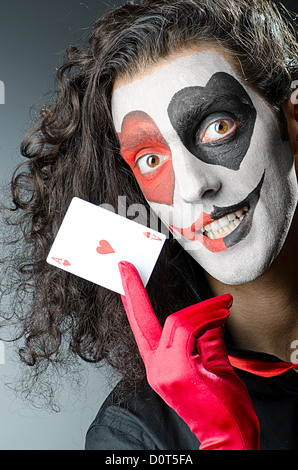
x=207 y=86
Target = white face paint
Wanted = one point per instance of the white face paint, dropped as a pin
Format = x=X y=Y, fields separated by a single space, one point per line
x=208 y=155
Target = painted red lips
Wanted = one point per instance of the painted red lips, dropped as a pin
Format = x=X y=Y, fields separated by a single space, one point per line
x=195 y=233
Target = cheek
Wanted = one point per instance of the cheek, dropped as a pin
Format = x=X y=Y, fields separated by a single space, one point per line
x=158 y=187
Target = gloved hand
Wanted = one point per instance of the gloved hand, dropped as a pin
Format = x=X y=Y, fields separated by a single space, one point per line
x=187 y=365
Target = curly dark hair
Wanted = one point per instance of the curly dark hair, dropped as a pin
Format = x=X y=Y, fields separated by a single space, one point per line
x=73 y=151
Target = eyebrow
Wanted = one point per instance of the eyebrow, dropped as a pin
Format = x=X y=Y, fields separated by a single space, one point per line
x=138 y=131
x=141 y=139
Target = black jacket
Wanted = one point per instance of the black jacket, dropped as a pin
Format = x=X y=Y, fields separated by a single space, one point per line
x=143 y=421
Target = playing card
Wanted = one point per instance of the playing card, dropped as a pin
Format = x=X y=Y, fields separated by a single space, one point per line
x=91 y=241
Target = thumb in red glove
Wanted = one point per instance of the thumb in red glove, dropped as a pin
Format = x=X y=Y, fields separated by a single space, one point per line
x=187 y=365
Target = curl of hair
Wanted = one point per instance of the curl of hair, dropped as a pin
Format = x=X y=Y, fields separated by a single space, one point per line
x=73 y=151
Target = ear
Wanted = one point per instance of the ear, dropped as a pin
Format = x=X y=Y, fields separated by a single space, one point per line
x=291 y=113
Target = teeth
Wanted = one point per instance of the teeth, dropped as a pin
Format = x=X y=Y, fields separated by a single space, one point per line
x=231 y=217
x=224 y=226
x=223 y=222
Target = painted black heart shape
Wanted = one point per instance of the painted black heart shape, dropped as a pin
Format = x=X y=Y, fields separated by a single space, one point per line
x=223 y=96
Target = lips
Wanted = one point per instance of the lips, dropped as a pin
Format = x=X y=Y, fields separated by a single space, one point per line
x=204 y=225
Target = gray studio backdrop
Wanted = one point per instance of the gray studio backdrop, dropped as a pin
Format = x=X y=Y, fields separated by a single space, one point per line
x=33 y=36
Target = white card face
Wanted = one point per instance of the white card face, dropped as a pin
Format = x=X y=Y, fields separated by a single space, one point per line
x=92 y=241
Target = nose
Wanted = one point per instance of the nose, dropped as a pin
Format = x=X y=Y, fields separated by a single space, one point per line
x=195 y=180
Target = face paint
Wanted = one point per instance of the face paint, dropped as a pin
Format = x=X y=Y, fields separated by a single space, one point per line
x=226 y=216
x=147 y=153
x=193 y=109
x=233 y=188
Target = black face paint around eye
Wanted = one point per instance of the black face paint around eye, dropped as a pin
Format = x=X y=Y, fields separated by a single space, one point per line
x=225 y=96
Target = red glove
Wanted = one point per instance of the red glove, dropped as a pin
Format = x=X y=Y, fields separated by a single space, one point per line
x=187 y=365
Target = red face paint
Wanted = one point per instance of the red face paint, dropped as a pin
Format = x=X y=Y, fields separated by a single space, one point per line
x=140 y=136
x=195 y=233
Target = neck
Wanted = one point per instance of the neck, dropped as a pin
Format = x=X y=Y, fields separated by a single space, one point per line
x=264 y=315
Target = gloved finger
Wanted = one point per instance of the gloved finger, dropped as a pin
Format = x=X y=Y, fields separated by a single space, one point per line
x=221 y=302
x=216 y=303
x=212 y=351
x=191 y=322
x=144 y=324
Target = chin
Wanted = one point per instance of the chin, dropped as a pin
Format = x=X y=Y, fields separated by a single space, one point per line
x=240 y=268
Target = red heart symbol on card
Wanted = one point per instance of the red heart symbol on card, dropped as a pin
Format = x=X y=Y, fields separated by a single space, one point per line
x=66 y=263
x=104 y=248
x=152 y=236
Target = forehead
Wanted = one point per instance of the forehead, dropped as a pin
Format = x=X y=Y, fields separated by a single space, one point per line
x=153 y=92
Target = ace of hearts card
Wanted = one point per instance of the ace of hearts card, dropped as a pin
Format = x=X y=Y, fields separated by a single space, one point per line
x=92 y=241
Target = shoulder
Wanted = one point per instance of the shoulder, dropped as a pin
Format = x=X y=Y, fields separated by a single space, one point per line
x=138 y=421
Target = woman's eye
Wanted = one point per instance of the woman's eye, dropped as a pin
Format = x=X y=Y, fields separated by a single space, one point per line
x=149 y=162
x=219 y=129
